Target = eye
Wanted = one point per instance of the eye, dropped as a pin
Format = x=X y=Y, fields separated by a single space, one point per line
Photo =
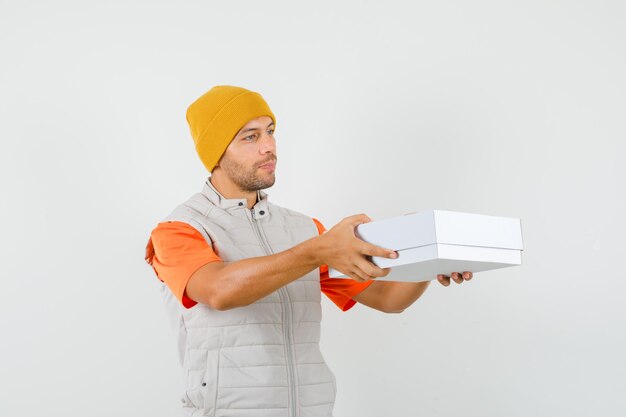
x=271 y=131
x=248 y=137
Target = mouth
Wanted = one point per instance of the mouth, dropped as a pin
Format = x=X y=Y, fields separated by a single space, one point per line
x=269 y=166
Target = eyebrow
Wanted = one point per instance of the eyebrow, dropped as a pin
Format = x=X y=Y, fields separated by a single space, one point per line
x=254 y=128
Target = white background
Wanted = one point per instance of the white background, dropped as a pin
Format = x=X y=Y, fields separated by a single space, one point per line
x=504 y=108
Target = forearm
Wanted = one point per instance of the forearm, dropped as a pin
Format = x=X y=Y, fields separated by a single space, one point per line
x=391 y=296
x=243 y=282
x=400 y=295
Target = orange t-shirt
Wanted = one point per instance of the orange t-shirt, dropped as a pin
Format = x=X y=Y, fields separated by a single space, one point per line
x=176 y=250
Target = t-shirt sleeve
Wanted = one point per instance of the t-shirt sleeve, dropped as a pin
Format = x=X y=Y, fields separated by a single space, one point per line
x=339 y=290
x=176 y=250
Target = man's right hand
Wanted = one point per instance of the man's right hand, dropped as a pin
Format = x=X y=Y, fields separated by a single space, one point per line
x=342 y=250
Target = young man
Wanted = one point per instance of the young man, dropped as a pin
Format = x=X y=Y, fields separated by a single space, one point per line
x=243 y=277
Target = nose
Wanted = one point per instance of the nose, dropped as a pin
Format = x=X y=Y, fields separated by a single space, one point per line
x=267 y=144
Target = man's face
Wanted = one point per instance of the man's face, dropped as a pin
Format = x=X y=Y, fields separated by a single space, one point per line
x=250 y=159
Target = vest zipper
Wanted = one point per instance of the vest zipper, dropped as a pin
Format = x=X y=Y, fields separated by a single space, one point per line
x=284 y=299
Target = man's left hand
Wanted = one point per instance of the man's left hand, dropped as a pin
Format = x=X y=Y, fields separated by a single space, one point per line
x=456 y=277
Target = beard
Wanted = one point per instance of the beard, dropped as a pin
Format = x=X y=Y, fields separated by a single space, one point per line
x=247 y=179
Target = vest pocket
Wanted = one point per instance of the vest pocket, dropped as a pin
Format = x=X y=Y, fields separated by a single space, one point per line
x=209 y=383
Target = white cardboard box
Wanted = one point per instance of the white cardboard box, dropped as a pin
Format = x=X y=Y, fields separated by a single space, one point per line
x=441 y=242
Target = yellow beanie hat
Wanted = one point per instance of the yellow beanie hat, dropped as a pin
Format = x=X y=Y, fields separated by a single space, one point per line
x=216 y=117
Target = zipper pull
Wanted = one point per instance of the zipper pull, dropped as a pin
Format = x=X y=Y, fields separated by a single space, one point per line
x=252 y=211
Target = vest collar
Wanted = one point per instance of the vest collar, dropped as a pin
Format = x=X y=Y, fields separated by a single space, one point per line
x=227 y=203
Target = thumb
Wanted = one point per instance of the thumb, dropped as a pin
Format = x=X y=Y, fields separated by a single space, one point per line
x=359 y=218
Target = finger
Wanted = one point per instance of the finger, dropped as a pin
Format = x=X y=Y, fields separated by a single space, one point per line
x=373 y=250
x=349 y=273
x=456 y=277
x=467 y=275
x=372 y=270
x=355 y=277
x=352 y=275
x=357 y=272
x=443 y=280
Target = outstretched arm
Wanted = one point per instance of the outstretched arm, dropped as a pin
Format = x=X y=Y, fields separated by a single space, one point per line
x=226 y=285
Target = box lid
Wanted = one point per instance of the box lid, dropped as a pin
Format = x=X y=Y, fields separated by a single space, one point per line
x=442 y=226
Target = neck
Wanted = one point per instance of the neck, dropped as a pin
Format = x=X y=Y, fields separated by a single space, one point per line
x=230 y=190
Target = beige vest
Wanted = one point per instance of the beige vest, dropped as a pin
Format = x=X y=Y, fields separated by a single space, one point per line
x=261 y=360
